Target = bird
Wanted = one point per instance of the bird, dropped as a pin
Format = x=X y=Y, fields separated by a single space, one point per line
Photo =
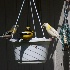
x=52 y=31
x=10 y=33
x=27 y=34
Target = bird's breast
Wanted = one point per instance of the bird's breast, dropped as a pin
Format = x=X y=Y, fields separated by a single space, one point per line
x=26 y=35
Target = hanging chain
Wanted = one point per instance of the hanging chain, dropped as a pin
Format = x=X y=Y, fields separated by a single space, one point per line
x=33 y=18
x=20 y=12
x=19 y=15
x=39 y=18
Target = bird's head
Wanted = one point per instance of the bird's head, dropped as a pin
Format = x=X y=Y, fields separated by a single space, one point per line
x=44 y=25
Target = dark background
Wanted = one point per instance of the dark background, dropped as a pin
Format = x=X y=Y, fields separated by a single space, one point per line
x=49 y=11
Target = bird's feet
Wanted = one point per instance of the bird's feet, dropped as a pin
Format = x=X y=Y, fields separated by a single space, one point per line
x=51 y=38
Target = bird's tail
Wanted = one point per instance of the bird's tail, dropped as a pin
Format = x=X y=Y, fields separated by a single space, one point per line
x=60 y=39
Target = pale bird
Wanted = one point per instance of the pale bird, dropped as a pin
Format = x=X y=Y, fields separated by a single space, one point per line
x=52 y=31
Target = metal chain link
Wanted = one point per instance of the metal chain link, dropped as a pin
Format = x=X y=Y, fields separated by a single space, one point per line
x=33 y=18
x=38 y=18
x=20 y=12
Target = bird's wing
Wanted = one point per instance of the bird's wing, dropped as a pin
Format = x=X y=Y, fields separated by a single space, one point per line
x=13 y=30
x=50 y=32
x=54 y=31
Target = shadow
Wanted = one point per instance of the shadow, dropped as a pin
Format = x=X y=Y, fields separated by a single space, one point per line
x=66 y=60
x=21 y=47
x=50 y=62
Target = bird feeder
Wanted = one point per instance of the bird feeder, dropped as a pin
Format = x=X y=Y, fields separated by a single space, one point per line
x=29 y=49
x=33 y=51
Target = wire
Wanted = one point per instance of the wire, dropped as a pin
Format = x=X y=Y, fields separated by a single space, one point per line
x=33 y=17
x=28 y=22
x=20 y=12
x=38 y=18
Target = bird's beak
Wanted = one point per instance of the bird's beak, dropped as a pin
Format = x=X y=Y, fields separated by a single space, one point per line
x=43 y=26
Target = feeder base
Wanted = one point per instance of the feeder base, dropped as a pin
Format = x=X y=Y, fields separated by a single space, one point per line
x=33 y=51
x=32 y=62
